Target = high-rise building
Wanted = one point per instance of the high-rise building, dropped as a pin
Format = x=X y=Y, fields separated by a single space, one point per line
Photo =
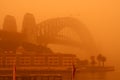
x=10 y=24
x=29 y=28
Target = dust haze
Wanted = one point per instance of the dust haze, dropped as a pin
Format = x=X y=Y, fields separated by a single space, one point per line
x=101 y=18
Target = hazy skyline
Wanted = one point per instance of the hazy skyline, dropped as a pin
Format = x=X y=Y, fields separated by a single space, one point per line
x=100 y=17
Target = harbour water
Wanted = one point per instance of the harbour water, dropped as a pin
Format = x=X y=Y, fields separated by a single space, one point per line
x=98 y=76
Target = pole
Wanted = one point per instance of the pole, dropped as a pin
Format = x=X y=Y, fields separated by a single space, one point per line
x=14 y=72
x=73 y=71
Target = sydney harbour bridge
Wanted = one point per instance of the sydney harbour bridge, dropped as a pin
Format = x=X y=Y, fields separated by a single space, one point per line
x=47 y=32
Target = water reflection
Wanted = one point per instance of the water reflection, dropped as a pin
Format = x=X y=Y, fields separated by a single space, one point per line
x=91 y=76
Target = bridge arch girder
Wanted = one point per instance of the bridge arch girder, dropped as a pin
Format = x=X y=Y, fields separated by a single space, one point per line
x=51 y=28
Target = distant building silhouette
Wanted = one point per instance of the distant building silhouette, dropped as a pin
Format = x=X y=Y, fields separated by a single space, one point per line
x=29 y=28
x=50 y=31
x=37 y=66
x=10 y=24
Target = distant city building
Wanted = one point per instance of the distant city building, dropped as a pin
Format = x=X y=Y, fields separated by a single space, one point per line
x=10 y=24
x=29 y=28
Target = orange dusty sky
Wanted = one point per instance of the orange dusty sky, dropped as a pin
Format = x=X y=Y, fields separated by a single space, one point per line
x=101 y=17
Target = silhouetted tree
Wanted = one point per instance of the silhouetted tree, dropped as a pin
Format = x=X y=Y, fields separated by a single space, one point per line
x=99 y=59
x=14 y=36
x=93 y=62
x=103 y=60
x=82 y=62
x=8 y=46
x=35 y=48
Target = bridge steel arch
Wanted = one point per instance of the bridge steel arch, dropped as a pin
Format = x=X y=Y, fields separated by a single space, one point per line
x=50 y=28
